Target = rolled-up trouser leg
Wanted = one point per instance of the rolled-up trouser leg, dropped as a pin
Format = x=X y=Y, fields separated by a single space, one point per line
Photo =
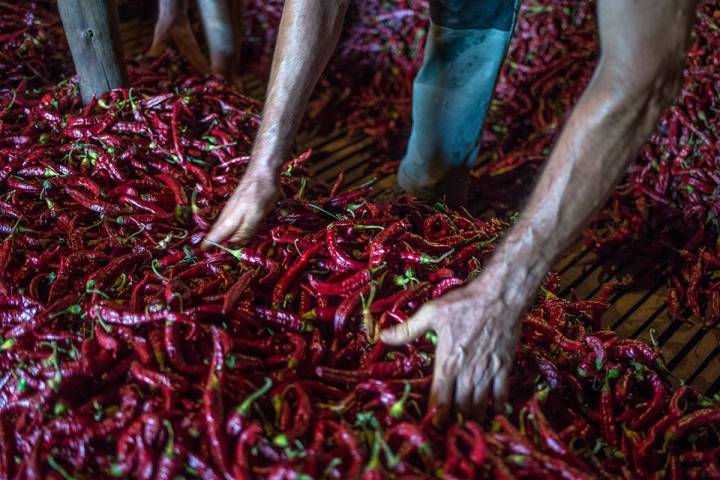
x=465 y=49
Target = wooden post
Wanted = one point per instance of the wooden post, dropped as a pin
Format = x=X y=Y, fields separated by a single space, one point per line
x=92 y=30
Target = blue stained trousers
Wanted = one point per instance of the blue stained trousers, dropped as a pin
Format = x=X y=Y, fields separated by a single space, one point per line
x=465 y=49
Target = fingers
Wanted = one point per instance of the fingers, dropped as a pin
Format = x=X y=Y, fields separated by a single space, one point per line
x=224 y=226
x=500 y=387
x=246 y=229
x=493 y=380
x=243 y=212
x=480 y=398
x=408 y=331
x=234 y=224
x=464 y=388
x=442 y=389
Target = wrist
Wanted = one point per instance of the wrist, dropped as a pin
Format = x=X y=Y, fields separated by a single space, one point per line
x=515 y=272
x=263 y=174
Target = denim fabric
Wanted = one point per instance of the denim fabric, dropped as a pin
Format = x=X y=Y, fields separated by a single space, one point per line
x=451 y=94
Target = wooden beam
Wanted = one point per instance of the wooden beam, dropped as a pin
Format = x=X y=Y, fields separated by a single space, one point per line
x=92 y=30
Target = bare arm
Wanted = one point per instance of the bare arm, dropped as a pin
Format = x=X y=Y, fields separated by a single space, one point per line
x=309 y=32
x=643 y=46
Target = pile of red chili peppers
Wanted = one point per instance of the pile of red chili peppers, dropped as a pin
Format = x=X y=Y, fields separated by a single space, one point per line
x=669 y=200
x=126 y=352
x=32 y=44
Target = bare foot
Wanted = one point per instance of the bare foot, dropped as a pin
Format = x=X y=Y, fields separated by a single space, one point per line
x=173 y=26
x=188 y=47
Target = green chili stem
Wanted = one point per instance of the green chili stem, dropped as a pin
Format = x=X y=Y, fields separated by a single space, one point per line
x=244 y=407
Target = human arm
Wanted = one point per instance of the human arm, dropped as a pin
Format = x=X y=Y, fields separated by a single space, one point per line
x=309 y=31
x=643 y=44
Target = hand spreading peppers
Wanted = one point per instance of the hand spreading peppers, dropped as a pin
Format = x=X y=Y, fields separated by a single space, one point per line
x=611 y=120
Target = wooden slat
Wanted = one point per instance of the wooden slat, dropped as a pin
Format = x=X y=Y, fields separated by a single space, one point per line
x=630 y=310
x=707 y=373
x=689 y=361
x=578 y=271
x=332 y=154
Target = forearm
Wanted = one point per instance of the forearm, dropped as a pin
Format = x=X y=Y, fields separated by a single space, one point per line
x=309 y=31
x=604 y=133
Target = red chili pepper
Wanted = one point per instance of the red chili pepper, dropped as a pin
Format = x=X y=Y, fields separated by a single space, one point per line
x=175 y=187
x=341 y=259
x=549 y=438
x=301 y=415
x=656 y=405
x=345 y=309
x=213 y=404
x=378 y=248
x=633 y=350
x=280 y=318
x=107 y=313
x=175 y=353
x=233 y=294
x=7 y=450
x=607 y=415
x=445 y=286
x=147 y=206
x=713 y=307
x=248 y=437
x=95 y=205
x=691 y=422
x=549 y=333
x=343 y=287
x=693 y=288
x=278 y=294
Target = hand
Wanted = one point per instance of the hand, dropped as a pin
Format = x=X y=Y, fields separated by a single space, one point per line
x=252 y=200
x=477 y=335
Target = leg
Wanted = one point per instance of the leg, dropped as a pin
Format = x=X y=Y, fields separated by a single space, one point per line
x=91 y=27
x=465 y=49
x=173 y=24
x=221 y=22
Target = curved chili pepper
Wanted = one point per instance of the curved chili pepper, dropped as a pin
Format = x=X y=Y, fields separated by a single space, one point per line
x=445 y=285
x=654 y=408
x=345 y=309
x=278 y=294
x=683 y=426
x=343 y=287
x=341 y=259
x=377 y=245
x=212 y=402
x=233 y=294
